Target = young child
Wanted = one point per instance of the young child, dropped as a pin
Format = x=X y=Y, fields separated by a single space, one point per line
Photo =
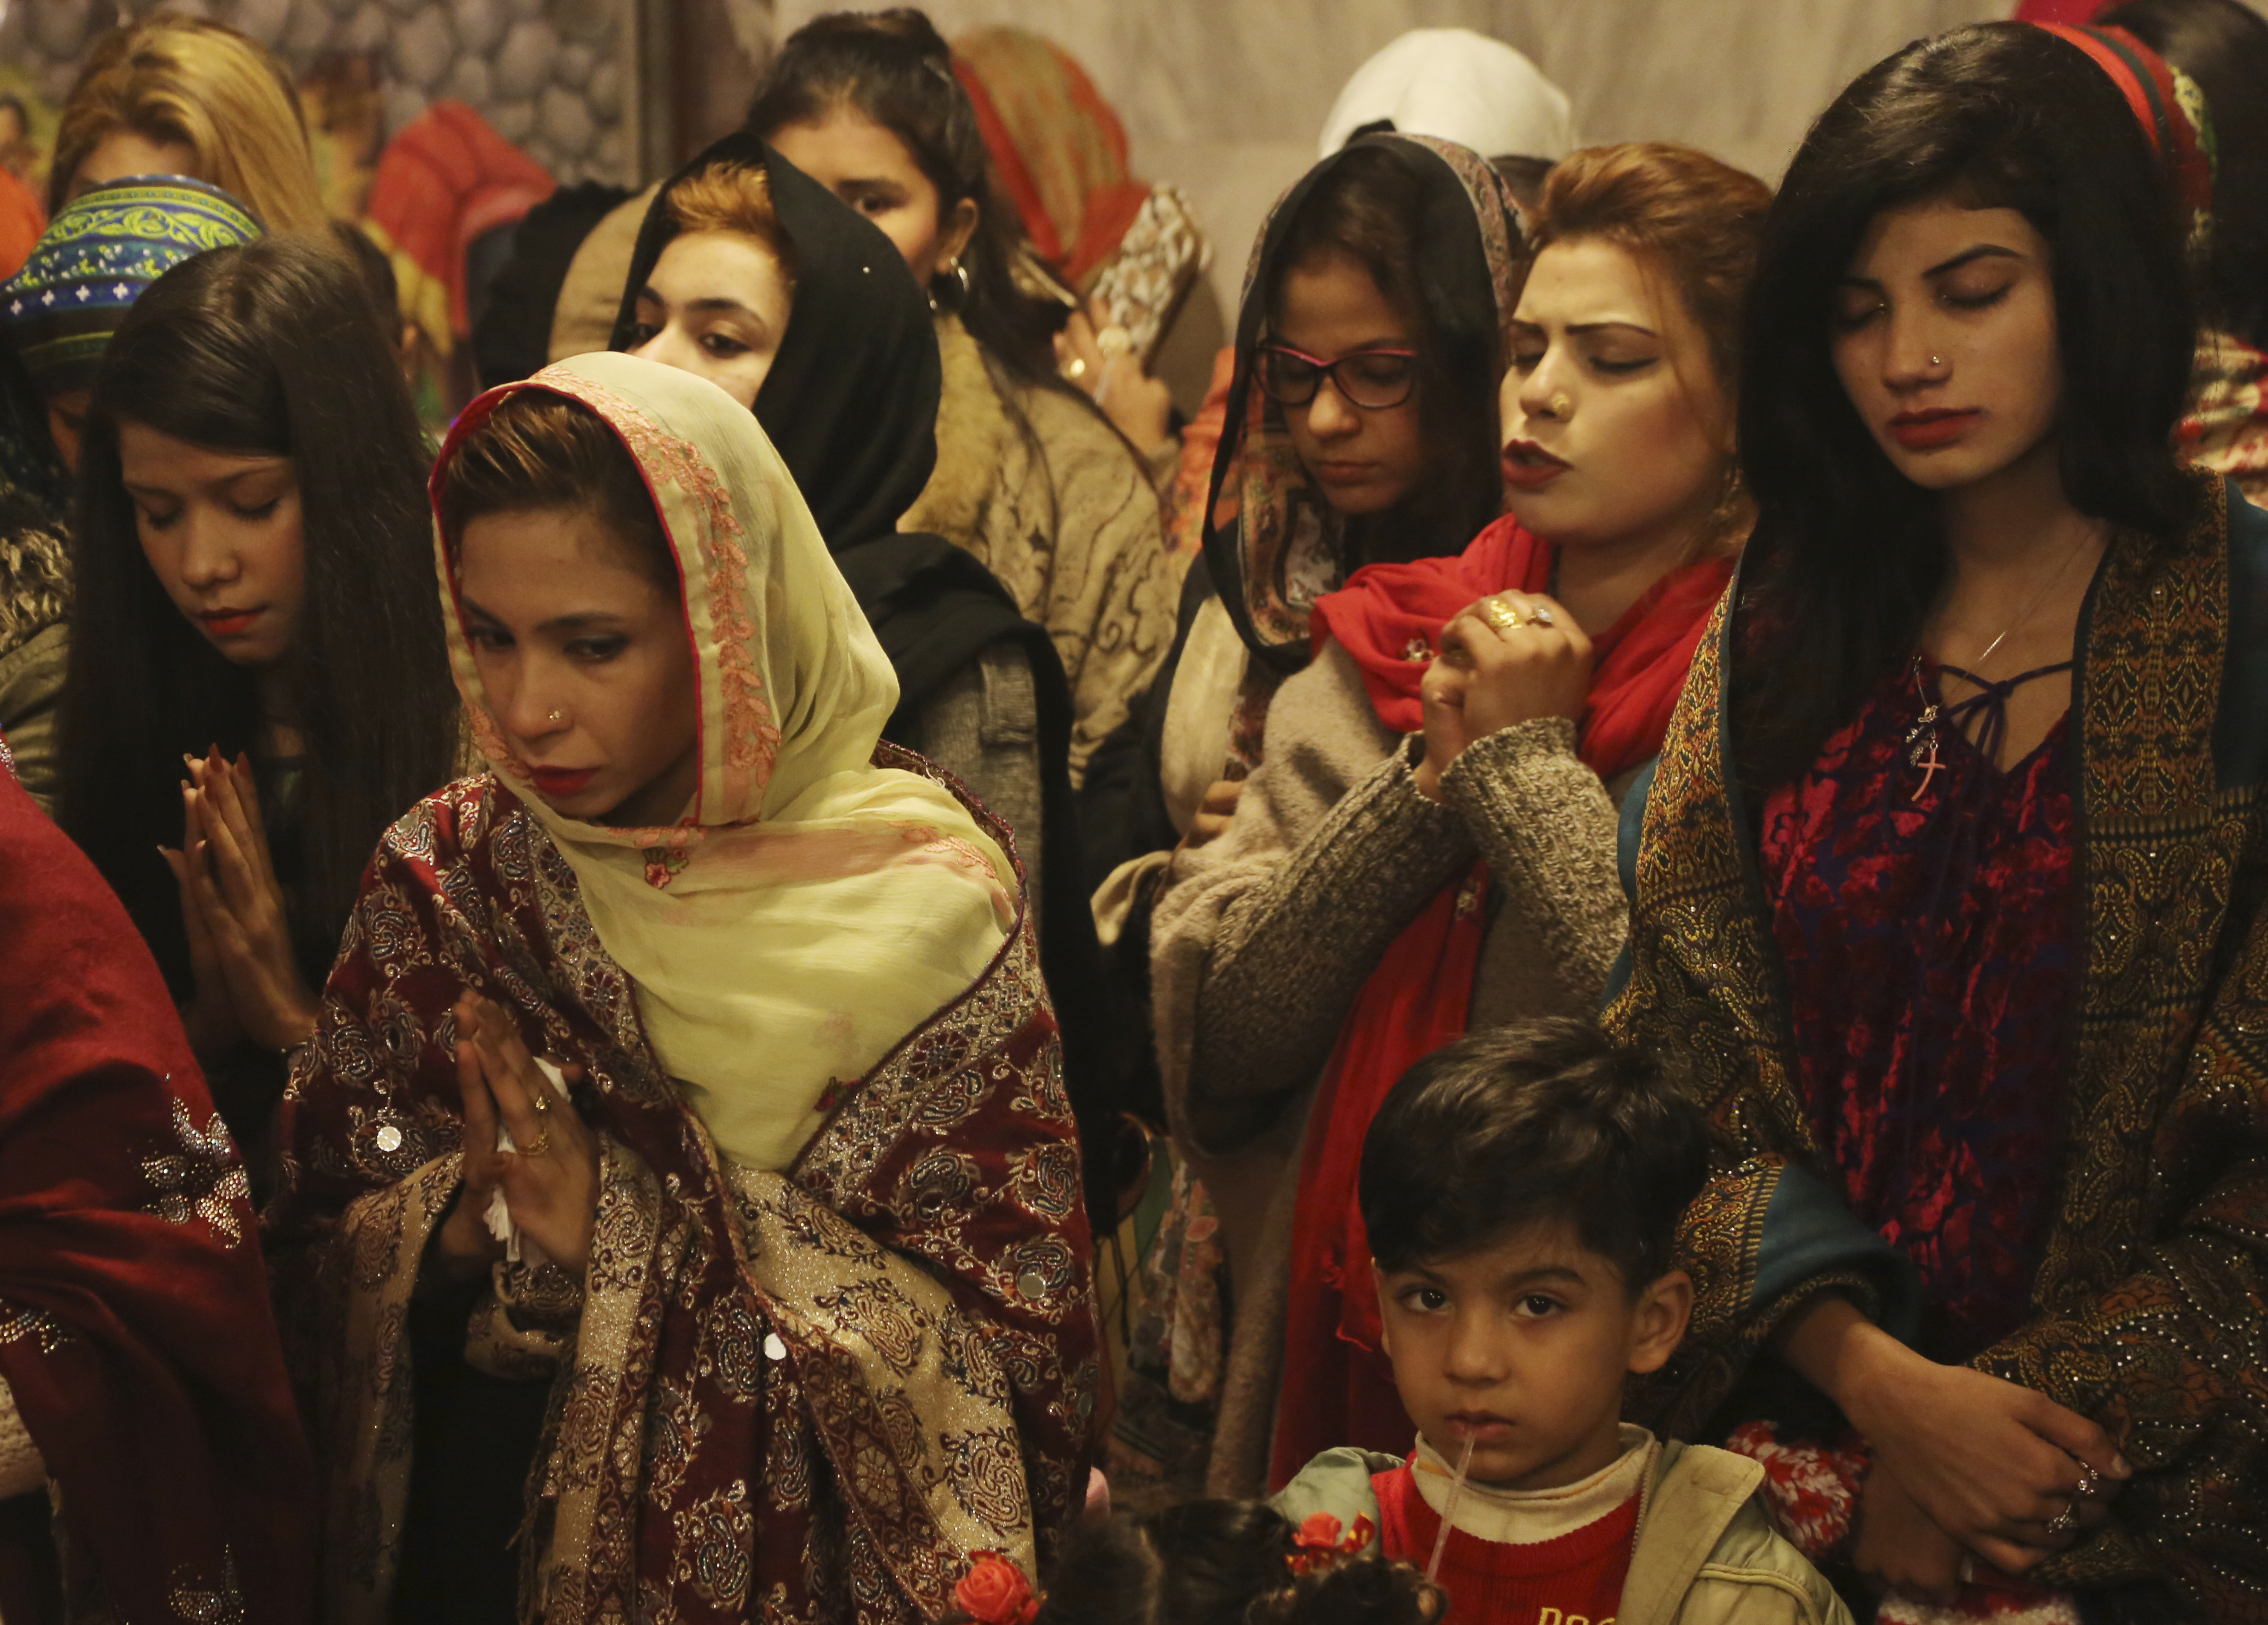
x=1521 y=1189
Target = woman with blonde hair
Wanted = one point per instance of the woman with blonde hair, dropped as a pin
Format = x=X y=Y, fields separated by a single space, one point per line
x=178 y=95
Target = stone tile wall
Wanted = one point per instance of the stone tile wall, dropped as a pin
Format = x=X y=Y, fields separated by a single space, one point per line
x=555 y=76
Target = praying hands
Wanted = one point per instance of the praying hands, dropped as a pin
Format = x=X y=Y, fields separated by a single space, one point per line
x=247 y=984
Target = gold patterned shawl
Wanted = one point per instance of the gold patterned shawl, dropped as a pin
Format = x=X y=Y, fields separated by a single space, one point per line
x=807 y=1396
x=2152 y=1299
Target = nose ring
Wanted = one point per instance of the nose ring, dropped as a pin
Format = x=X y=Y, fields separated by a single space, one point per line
x=1934 y=361
x=1560 y=406
x=556 y=717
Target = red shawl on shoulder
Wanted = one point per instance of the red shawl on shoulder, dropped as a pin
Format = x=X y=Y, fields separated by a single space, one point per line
x=1339 y=1388
x=135 y=1328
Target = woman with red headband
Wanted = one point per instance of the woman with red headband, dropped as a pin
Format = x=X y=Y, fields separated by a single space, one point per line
x=1947 y=883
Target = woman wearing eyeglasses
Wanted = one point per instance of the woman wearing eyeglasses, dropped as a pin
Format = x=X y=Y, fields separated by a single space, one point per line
x=1394 y=265
x=1428 y=846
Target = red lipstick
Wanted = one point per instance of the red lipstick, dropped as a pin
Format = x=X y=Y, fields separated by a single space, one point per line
x=557 y=781
x=1529 y=467
x=227 y=622
x=1941 y=426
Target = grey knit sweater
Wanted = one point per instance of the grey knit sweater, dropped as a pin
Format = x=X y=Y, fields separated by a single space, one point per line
x=1261 y=940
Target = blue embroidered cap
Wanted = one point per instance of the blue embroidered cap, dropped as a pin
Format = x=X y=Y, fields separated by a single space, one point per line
x=96 y=256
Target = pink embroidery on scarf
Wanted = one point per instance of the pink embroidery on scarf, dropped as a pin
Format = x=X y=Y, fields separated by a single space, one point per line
x=668 y=852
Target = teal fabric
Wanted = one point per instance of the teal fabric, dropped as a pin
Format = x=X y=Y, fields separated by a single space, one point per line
x=2240 y=729
x=1629 y=832
x=1809 y=1233
x=96 y=258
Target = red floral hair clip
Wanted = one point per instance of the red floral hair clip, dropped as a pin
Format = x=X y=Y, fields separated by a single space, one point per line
x=1320 y=1543
x=994 y=1592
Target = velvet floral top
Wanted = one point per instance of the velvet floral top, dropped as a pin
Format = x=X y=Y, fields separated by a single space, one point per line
x=1927 y=934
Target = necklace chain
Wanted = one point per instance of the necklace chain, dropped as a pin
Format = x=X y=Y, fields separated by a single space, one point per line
x=2038 y=599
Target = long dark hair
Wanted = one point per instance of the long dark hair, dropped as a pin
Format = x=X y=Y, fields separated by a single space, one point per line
x=895 y=69
x=2224 y=46
x=273 y=348
x=1371 y=208
x=1847 y=554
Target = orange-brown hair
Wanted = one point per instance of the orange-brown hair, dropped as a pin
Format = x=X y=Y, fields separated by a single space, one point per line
x=732 y=197
x=540 y=450
x=170 y=77
x=1698 y=220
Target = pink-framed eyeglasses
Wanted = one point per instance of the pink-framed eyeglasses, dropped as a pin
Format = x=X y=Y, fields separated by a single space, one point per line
x=1373 y=379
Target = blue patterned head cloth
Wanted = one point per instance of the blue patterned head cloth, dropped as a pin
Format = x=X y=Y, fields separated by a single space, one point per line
x=96 y=256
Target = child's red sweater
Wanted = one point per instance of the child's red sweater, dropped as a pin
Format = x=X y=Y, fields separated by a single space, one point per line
x=1576 y=1579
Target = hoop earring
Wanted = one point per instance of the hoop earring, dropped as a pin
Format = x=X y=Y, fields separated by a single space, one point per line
x=956 y=277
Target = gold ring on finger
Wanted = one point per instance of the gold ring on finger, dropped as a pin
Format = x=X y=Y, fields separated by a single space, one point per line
x=1499 y=614
x=1075 y=368
x=540 y=1099
x=2063 y=1522
x=542 y=1144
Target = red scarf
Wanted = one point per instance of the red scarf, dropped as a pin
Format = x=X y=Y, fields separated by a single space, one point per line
x=1339 y=1388
x=135 y=1327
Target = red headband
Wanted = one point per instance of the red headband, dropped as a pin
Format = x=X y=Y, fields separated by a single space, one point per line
x=2144 y=79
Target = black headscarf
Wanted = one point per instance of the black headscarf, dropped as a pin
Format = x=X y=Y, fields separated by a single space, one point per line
x=851 y=403
x=1470 y=237
x=851 y=399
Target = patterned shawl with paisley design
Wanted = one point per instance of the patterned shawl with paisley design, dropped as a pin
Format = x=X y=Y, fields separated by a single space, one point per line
x=807 y=1381
x=2145 y=1310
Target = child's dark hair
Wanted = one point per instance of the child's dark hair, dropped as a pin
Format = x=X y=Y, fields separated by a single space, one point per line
x=1371 y=1589
x=1543 y=1121
x=1222 y=1562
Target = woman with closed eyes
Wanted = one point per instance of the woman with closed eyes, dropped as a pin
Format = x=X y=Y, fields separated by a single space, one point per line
x=257 y=684
x=1428 y=845
x=1946 y=889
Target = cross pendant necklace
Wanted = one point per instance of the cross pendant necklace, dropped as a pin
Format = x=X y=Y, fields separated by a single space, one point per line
x=1921 y=739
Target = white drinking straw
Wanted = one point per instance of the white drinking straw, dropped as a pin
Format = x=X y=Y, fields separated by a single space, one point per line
x=1456 y=1492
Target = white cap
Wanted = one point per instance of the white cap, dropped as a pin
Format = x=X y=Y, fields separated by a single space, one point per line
x=1460 y=86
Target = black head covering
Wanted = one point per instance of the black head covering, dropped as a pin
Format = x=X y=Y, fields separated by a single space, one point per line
x=1468 y=253
x=851 y=399
x=851 y=403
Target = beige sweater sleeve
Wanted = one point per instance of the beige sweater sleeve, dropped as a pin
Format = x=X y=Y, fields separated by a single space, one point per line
x=1547 y=828
x=1263 y=940
x=1260 y=939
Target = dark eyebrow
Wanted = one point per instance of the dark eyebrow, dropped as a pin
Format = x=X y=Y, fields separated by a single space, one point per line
x=1982 y=251
x=1549 y=1272
x=1601 y=327
x=718 y=302
x=713 y=302
x=581 y=621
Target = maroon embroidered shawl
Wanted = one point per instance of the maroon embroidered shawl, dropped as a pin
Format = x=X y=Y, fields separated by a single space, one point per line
x=810 y=1396
x=134 y=1329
